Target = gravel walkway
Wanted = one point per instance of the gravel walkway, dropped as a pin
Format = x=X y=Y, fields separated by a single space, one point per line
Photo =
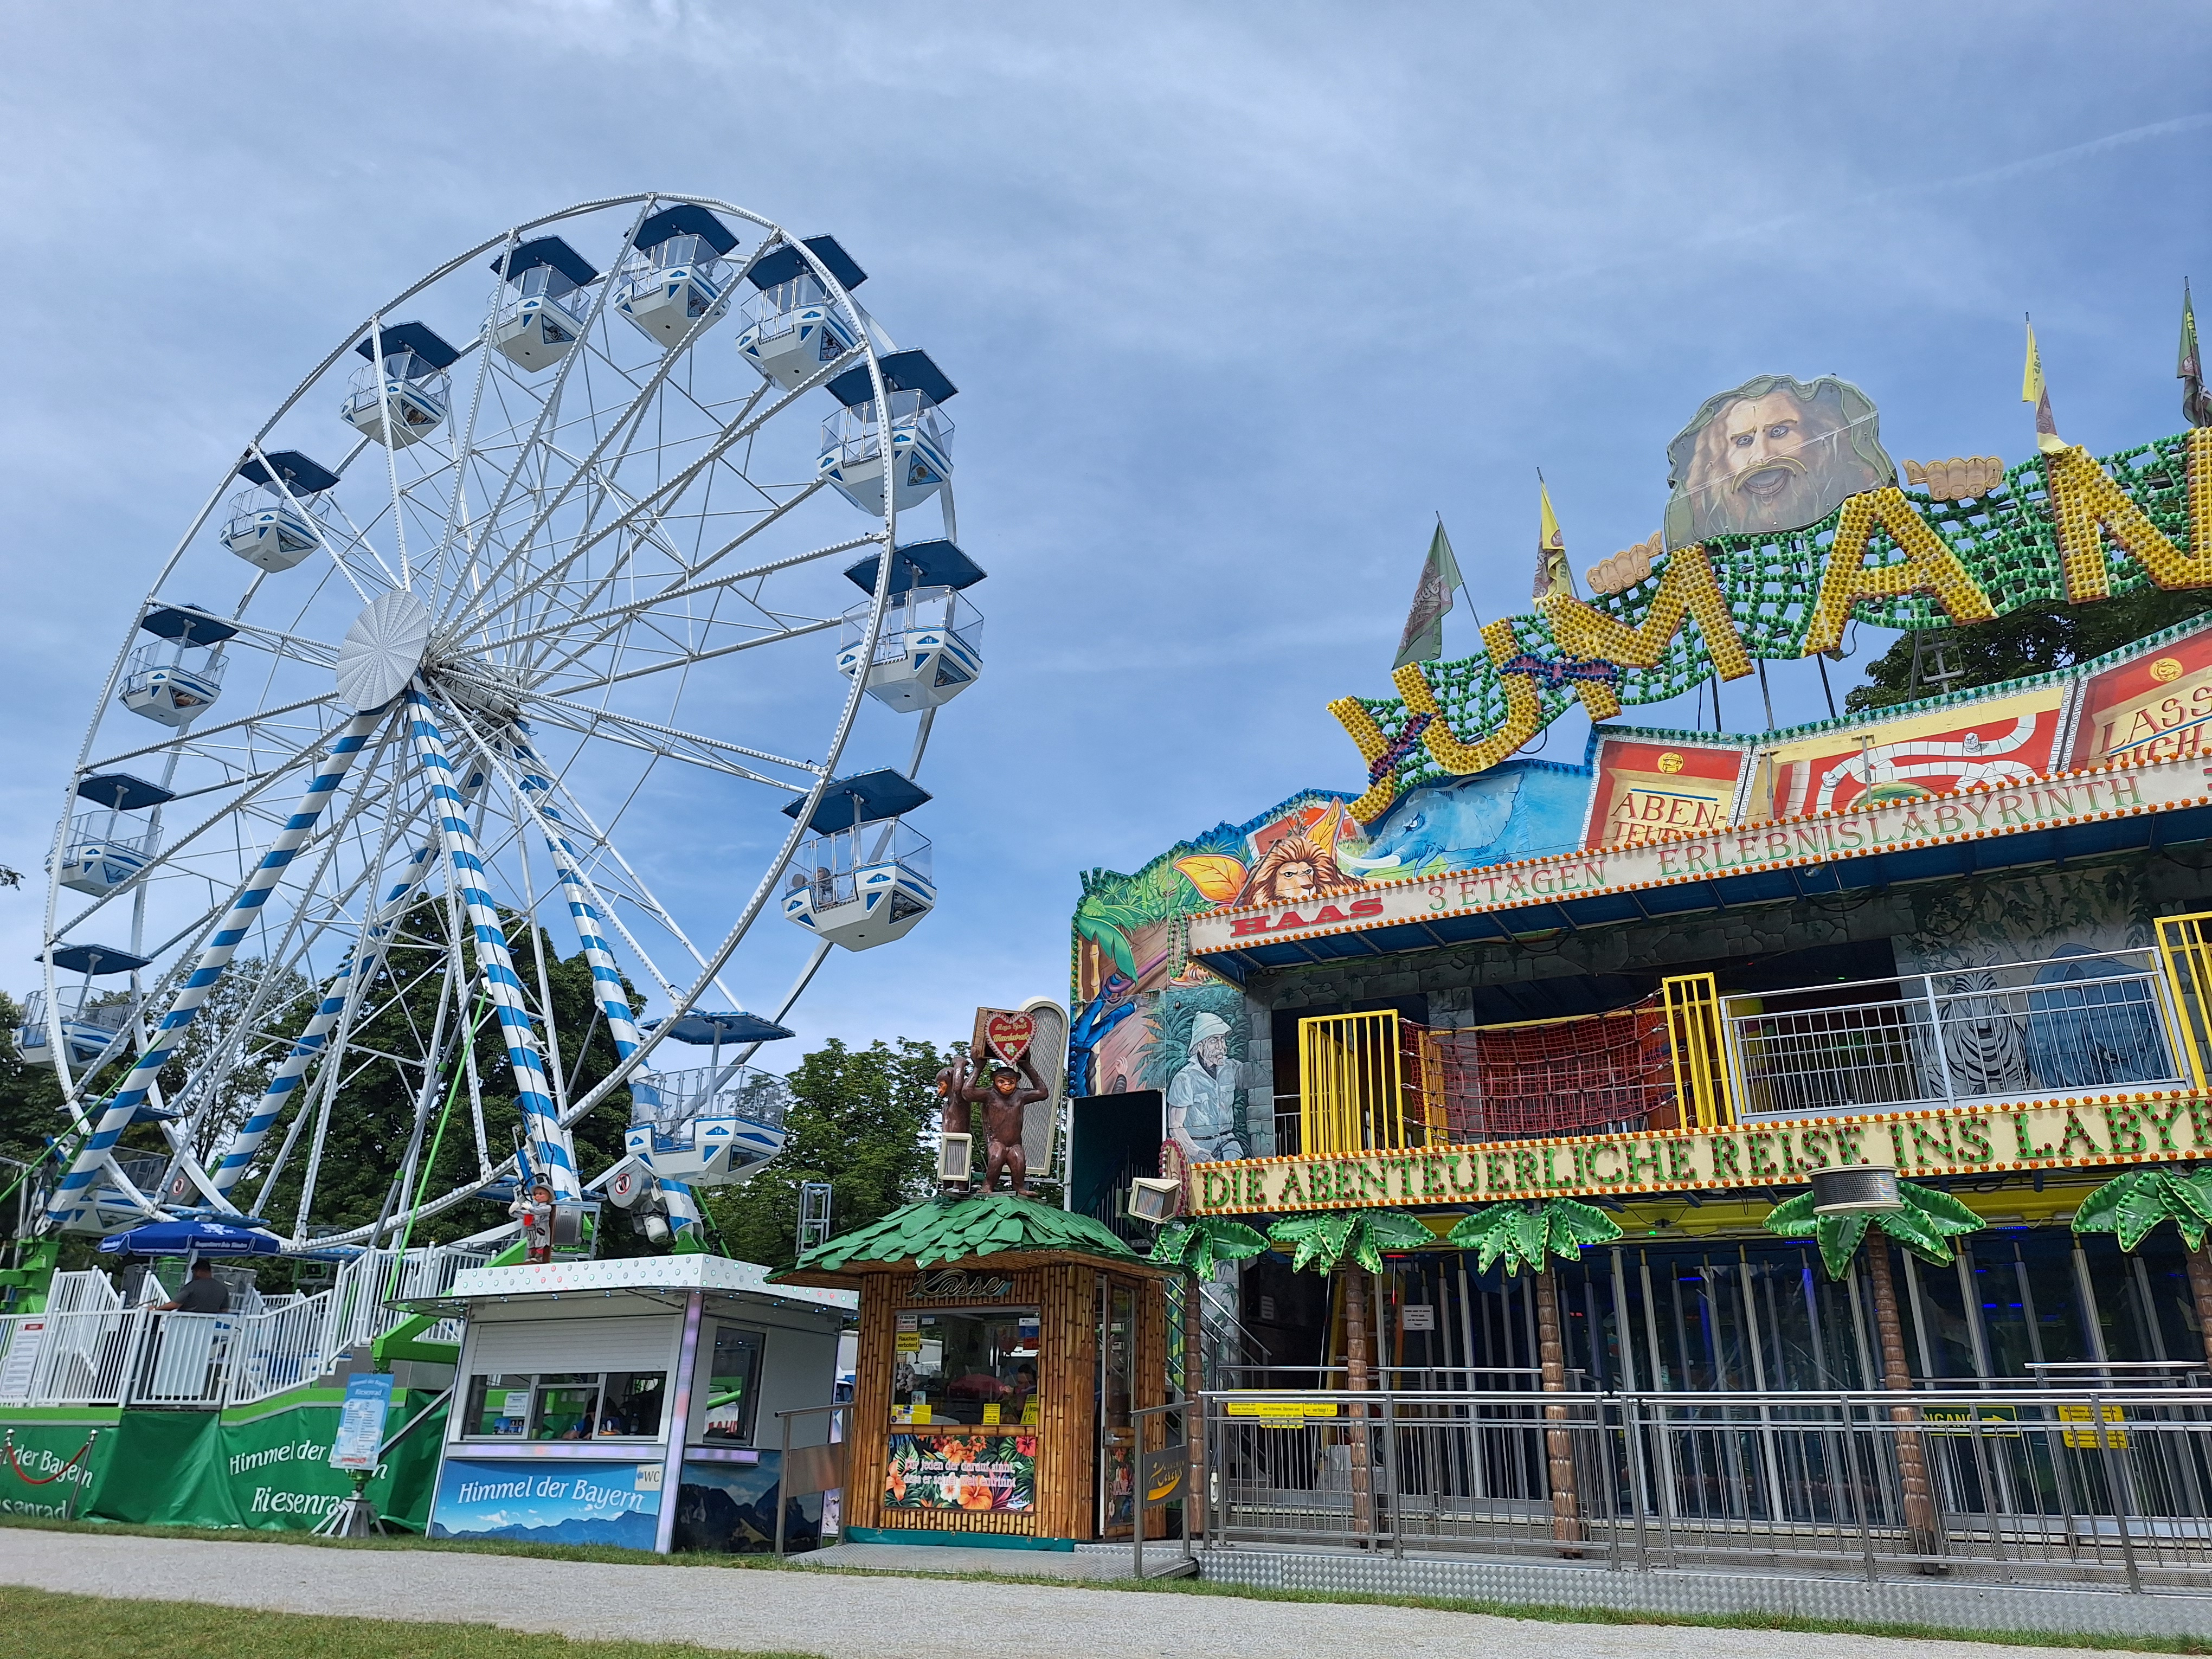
x=844 y=1616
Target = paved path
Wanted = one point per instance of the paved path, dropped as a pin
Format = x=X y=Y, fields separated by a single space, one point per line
x=845 y=1616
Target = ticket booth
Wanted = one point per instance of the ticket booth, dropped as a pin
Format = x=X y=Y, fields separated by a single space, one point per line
x=993 y=1388
x=643 y=1403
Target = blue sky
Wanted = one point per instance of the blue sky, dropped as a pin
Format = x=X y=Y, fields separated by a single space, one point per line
x=1238 y=298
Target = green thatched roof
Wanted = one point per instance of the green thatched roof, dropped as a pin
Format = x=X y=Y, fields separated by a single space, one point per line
x=941 y=1229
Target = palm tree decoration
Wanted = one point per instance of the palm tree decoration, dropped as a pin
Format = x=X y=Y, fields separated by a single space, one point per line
x=1321 y=1241
x=1529 y=1235
x=1925 y=1223
x=1925 y=1226
x=1203 y=1243
x=2132 y=1204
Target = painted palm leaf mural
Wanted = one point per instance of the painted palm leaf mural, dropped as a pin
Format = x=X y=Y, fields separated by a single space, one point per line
x=1524 y=1236
x=1321 y=1241
x=1925 y=1226
x=1202 y=1244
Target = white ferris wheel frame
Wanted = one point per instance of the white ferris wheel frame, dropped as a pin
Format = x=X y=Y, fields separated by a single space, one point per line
x=449 y=844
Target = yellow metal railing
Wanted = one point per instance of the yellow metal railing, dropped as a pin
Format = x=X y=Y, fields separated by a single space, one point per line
x=2186 y=954
x=1697 y=1043
x=1366 y=1084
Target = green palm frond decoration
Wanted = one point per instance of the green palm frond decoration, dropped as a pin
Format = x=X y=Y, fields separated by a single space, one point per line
x=1925 y=1226
x=938 y=1230
x=1522 y=1235
x=1321 y=1241
x=2132 y=1204
x=1203 y=1243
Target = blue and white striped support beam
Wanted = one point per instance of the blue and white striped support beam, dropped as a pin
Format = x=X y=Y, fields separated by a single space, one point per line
x=606 y=977
x=70 y=1206
x=552 y=1159
x=308 y=1045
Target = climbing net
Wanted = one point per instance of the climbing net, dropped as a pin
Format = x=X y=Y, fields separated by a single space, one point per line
x=1567 y=1077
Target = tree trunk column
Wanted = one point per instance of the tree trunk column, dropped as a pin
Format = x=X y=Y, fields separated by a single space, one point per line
x=1357 y=1379
x=1558 y=1443
x=1923 y=1536
x=2200 y=1285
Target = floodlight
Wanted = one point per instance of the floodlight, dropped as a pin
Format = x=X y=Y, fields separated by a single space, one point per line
x=1855 y=1189
x=956 y=1157
x=1154 y=1199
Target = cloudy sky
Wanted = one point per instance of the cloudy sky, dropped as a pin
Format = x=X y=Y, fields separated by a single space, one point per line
x=1238 y=298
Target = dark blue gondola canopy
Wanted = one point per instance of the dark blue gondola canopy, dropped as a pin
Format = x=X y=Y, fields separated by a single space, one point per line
x=301 y=476
x=903 y=371
x=879 y=795
x=418 y=338
x=780 y=265
x=919 y=564
x=546 y=251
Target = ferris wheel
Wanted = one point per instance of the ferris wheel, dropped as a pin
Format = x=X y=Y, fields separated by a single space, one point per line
x=569 y=574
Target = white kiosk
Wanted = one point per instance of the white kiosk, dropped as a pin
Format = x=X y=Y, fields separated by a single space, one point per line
x=635 y=1403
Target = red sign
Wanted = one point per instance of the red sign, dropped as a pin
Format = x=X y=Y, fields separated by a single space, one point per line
x=1010 y=1034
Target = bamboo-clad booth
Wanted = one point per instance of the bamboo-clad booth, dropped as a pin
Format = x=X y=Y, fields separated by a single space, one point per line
x=1005 y=1345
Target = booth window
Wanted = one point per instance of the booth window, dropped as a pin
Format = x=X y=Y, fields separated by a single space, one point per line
x=956 y=1361
x=733 y=1387
x=565 y=1406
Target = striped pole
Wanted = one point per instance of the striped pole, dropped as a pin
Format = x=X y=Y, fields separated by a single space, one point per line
x=606 y=977
x=550 y=1156
x=70 y=1206
x=309 y=1043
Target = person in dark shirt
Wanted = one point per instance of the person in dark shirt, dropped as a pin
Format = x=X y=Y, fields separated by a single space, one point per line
x=204 y=1294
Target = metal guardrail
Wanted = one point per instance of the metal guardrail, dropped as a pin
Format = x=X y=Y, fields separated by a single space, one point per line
x=2012 y=1031
x=90 y=1355
x=2052 y=1485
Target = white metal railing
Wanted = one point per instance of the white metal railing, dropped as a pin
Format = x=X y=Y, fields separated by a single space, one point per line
x=2015 y=1030
x=89 y=1349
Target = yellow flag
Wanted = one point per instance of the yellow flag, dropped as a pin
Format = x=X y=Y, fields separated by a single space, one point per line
x=2034 y=390
x=1552 y=573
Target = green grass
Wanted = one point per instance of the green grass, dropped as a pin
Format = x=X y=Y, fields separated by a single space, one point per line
x=1553 y=1615
x=97 y=1627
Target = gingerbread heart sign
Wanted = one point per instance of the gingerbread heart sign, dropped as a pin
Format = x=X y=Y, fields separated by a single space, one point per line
x=1007 y=1034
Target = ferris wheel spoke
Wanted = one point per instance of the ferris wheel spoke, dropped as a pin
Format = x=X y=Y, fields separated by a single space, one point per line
x=172 y=853
x=644 y=897
x=191 y=742
x=692 y=573
x=69 y=1202
x=554 y=1159
x=624 y=675
x=735 y=434
x=621 y=615
x=549 y=403
x=308 y=1046
x=575 y=717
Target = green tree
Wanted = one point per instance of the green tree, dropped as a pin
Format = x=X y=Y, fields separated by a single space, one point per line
x=858 y=1118
x=2032 y=640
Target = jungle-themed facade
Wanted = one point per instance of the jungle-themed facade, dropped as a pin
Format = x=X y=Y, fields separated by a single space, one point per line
x=1960 y=936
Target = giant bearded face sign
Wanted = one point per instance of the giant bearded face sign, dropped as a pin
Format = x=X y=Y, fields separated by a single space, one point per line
x=1776 y=454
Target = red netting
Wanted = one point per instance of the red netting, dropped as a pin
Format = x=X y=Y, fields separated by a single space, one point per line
x=1577 y=1076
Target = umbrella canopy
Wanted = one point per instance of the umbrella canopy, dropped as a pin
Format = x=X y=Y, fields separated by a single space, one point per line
x=191 y=1238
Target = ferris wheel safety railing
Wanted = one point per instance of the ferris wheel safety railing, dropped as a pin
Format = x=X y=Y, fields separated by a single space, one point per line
x=90 y=1348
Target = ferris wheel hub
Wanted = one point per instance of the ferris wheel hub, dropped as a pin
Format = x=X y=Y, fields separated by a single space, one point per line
x=382 y=650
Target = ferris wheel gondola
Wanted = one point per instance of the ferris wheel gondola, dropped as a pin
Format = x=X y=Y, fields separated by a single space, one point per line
x=557 y=575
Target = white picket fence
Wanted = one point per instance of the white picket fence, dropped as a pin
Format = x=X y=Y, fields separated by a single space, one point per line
x=89 y=1349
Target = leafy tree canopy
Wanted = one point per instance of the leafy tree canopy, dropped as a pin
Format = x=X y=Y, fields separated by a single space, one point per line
x=2035 y=639
x=859 y=1120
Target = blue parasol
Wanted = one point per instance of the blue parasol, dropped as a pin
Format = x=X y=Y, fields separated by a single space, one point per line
x=191 y=1238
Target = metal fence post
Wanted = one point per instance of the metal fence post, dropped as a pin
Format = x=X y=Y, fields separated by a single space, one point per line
x=782 y=1482
x=1390 y=1484
x=1936 y=1035
x=2115 y=1482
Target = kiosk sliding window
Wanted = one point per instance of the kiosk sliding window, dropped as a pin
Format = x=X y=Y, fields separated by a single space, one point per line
x=565 y=1406
x=965 y=1365
x=732 y=1380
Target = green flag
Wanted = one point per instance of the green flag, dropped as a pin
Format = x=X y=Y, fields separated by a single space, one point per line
x=1424 y=639
x=2196 y=407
